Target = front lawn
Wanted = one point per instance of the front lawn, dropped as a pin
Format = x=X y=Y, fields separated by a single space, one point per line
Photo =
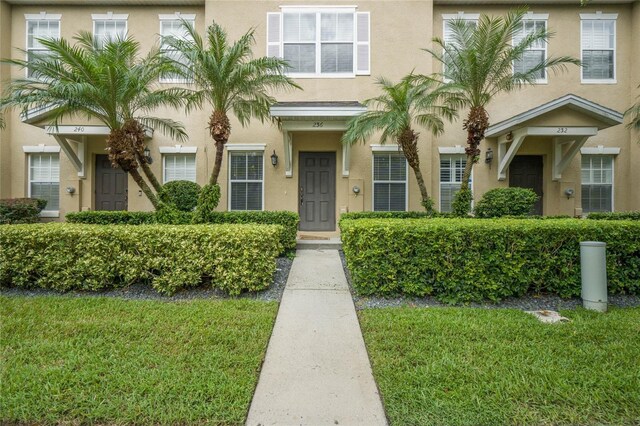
x=113 y=361
x=448 y=366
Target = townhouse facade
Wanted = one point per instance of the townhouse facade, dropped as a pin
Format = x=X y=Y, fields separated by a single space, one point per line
x=565 y=137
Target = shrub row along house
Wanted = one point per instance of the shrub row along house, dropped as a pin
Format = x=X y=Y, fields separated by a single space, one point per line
x=564 y=137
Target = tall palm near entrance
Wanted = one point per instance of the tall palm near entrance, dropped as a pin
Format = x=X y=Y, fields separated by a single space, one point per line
x=478 y=64
x=397 y=111
x=228 y=78
x=109 y=82
x=634 y=115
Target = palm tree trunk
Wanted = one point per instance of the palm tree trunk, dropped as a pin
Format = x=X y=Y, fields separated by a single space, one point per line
x=145 y=188
x=150 y=175
x=476 y=125
x=220 y=129
x=408 y=140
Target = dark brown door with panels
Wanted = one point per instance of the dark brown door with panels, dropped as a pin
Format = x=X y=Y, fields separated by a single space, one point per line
x=111 y=186
x=317 y=191
x=525 y=171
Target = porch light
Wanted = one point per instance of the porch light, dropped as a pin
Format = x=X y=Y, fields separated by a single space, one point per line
x=274 y=158
x=147 y=155
x=488 y=156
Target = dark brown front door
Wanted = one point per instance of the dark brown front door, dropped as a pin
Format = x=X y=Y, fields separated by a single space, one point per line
x=111 y=186
x=317 y=191
x=525 y=171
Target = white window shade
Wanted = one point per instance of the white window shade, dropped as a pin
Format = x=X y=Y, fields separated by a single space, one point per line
x=40 y=29
x=246 y=180
x=389 y=182
x=44 y=179
x=179 y=167
x=451 y=172
x=598 y=49
x=597 y=183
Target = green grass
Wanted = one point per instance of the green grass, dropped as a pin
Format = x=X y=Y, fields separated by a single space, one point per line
x=486 y=367
x=99 y=360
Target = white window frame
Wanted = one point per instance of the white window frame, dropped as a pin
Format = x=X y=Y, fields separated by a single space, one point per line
x=37 y=17
x=110 y=16
x=178 y=150
x=537 y=17
x=177 y=16
x=244 y=149
x=457 y=151
x=42 y=149
x=446 y=17
x=388 y=149
x=318 y=10
x=612 y=154
x=596 y=17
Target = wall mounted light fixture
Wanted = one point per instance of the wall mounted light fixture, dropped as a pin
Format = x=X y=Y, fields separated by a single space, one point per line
x=356 y=190
x=488 y=156
x=70 y=190
x=569 y=192
x=274 y=158
x=147 y=155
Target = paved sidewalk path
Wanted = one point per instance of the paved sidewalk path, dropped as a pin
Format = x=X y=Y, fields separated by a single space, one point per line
x=316 y=371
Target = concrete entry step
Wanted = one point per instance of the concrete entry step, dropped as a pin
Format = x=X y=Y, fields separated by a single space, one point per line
x=319 y=244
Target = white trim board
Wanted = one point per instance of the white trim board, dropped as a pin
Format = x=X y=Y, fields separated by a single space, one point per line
x=451 y=150
x=32 y=149
x=598 y=15
x=386 y=148
x=599 y=150
x=43 y=16
x=246 y=147
x=178 y=149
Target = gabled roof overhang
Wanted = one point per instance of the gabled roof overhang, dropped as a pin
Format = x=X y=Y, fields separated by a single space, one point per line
x=550 y=121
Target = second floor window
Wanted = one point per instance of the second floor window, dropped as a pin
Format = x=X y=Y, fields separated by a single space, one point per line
x=172 y=26
x=598 y=47
x=109 y=27
x=537 y=53
x=322 y=42
x=40 y=29
x=470 y=20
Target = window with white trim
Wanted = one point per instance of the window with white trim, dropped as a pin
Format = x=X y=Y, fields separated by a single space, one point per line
x=44 y=179
x=172 y=26
x=389 y=181
x=536 y=53
x=598 y=33
x=179 y=167
x=246 y=180
x=327 y=41
x=451 y=172
x=109 y=27
x=46 y=27
x=448 y=38
x=597 y=183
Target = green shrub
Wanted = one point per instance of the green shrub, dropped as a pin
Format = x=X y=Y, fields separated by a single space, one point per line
x=388 y=215
x=615 y=216
x=288 y=220
x=207 y=203
x=21 y=210
x=500 y=202
x=463 y=260
x=182 y=194
x=461 y=206
x=65 y=256
x=100 y=217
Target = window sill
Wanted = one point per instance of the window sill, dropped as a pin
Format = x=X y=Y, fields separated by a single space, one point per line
x=50 y=213
x=613 y=81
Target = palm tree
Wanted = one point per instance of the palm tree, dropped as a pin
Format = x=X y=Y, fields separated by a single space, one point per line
x=634 y=115
x=478 y=64
x=397 y=111
x=109 y=82
x=229 y=79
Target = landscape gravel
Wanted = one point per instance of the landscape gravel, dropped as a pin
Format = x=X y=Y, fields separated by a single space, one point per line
x=525 y=303
x=146 y=292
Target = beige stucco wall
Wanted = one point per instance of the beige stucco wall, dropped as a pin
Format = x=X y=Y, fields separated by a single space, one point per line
x=399 y=29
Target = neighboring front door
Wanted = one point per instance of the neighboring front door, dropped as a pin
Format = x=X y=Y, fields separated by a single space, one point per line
x=317 y=191
x=111 y=186
x=525 y=171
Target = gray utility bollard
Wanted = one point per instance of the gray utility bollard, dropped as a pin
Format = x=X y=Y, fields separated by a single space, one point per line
x=593 y=263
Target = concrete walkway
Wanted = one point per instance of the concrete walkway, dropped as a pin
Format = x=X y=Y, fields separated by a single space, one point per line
x=316 y=371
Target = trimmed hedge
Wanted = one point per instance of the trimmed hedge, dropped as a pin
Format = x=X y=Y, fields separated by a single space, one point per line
x=182 y=194
x=21 y=210
x=389 y=215
x=615 y=216
x=288 y=220
x=464 y=260
x=87 y=257
x=500 y=202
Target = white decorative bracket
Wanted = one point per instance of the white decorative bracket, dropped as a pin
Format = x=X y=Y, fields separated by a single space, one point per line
x=562 y=158
x=505 y=157
x=76 y=156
